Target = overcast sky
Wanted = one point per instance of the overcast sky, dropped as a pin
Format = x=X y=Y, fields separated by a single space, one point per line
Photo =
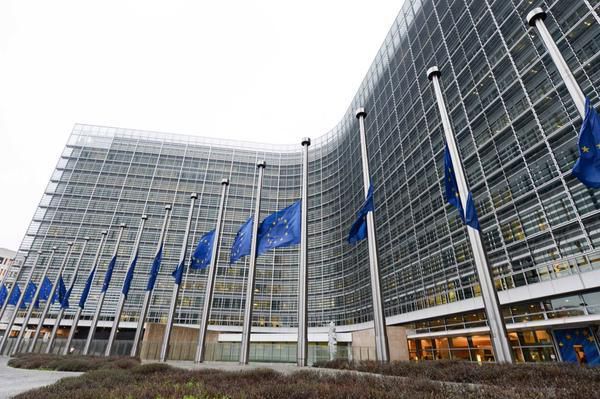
x=260 y=70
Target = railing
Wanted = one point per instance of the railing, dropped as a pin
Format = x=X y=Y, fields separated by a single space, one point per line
x=215 y=351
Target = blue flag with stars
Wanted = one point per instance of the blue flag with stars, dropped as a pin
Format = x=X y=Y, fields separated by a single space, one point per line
x=30 y=290
x=64 y=304
x=3 y=294
x=109 y=273
x=587 y=167
x=203 y=253
x=280 y=229
x=14 y=297
x=129 y=275
x=358 y=231
x=45 y=289
x=86 y=289
x=242 y=243
x=61 y=290
x=155 y=269
x=470 y=216
x=178 y=273
x=452 y=195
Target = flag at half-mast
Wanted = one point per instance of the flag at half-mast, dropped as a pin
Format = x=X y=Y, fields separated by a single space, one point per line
x=453 y=197
x=358 y=231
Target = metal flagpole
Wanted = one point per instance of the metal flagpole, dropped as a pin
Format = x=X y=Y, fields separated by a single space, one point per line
x=173 y=306
x=536 y=18
x=49 y=300
x=13 y=317
x=61 y=312
x=121 y=303
x=212 y=272
x=245 y=346
x=12 y=287
x=500 y=344
x=302 y=354
x=100 y=303
x=142 y=319
x=381 y=340
x=79 y=308
x=32 y=304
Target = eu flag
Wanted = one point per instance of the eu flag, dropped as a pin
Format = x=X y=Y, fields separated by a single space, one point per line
x=64 y=304
x=178 y=273
x=280 y=229
x=155 y=269
x=61 y=290
x=203 y=253
x=109 y=273
x=3 y=294
x=129 y=276
x=358 y=231
x=86 y=289
x=242 y=243
x=452 y=195
x=470 y=216
x=587 y=167
x=30 y=290
x=16 y=294
x=45 y=289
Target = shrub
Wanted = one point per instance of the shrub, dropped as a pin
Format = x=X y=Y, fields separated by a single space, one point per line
x=71 y=362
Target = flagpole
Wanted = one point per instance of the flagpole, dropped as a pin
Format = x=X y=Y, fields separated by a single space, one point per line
x=100 y=303
x=247 y=328
x=173 y=306
x=22 y=266
x=32 y=304
x=121 y=303
x=49 y=300
x=13 y=317
x=212 y=272
x=302 y=348
x=142 y=319
x=536 y=18
x=381 y=340
x=79 y=308
x=500 y=344
x=62 y=310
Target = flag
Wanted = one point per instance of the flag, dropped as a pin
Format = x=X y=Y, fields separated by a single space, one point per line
x=178 y=272
x=242 y=243
x=64 y=304
x=86 y=290
x=109 y=273
x=30 y=290
x=587 y=167
x=452 y=196
x=45 y=289
x=155 y=269
x=358 y=231
x=16 y=294
x=470 y=216
x=61 y=290
x=129 y=276
x=280 y=229
x=203 y=253
x=3 y=294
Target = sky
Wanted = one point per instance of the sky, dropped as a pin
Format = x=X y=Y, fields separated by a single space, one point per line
x=259 y=70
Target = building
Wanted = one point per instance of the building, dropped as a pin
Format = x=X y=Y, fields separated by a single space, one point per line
x=516 y=127
x=7 y=260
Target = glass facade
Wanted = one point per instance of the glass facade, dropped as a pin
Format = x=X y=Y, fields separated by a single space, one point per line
x=516 y=128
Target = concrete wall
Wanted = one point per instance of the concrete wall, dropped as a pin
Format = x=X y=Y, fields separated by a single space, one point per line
x=363 y=344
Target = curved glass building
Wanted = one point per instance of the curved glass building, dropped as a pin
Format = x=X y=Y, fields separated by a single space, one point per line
x=516 y=127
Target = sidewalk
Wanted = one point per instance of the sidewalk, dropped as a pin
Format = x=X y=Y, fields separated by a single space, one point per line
x=15 y=381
